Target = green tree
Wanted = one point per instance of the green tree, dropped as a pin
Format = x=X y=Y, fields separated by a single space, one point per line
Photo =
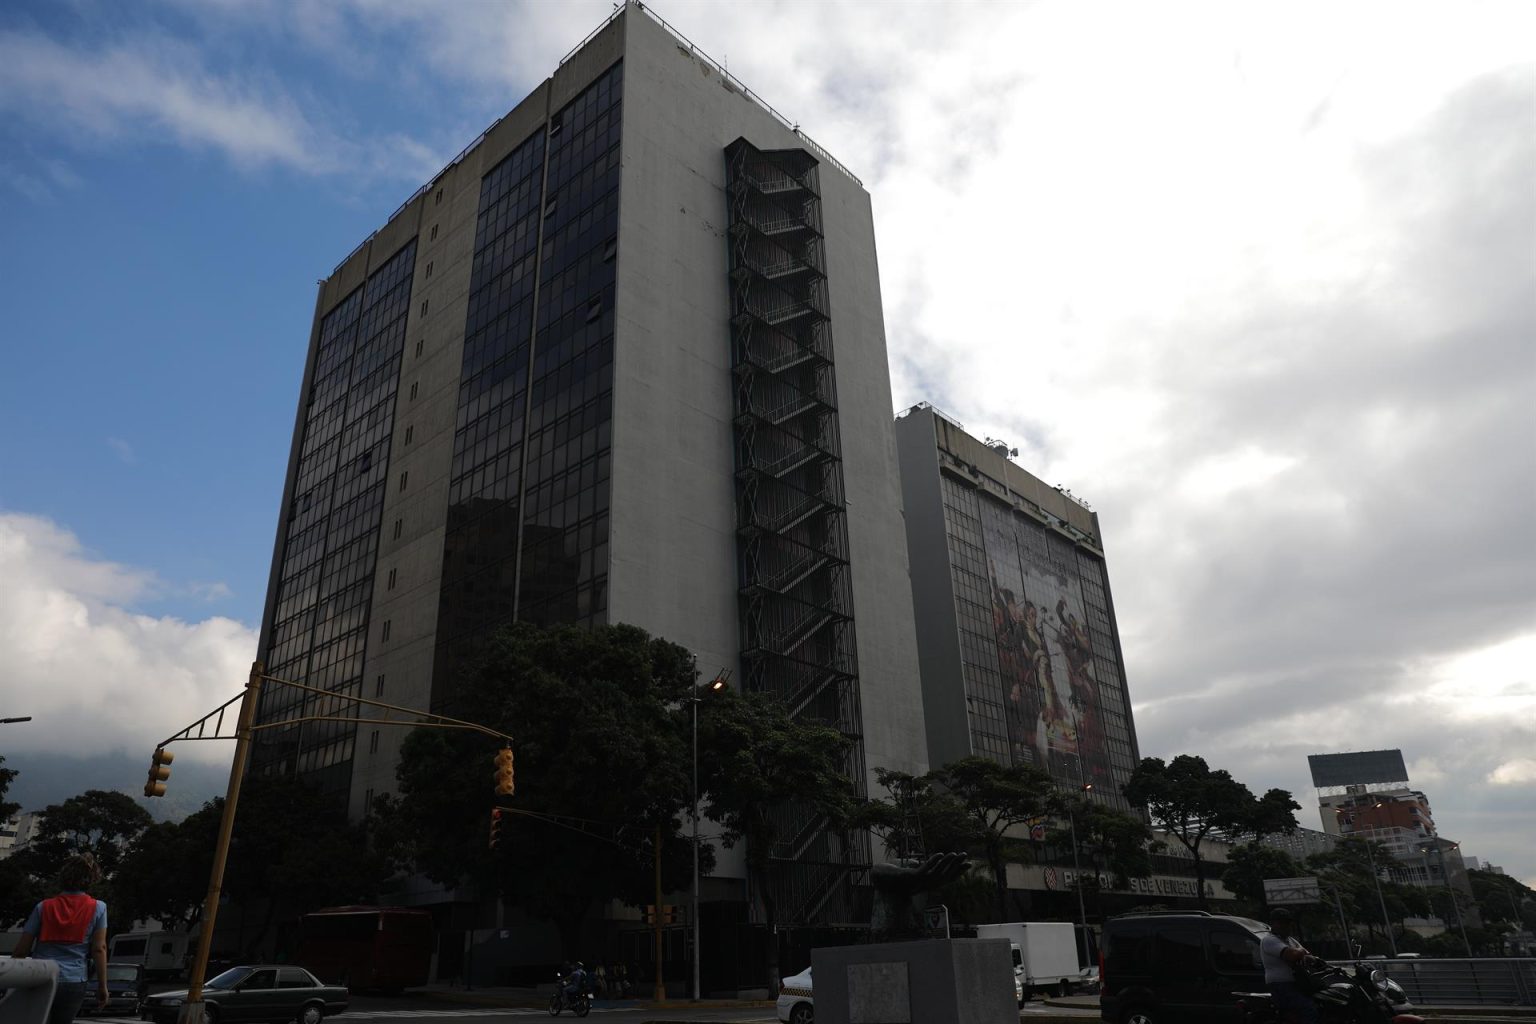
x=18 y=892
x=164 y=873
x=288 y=854
x=8 y=808
x=1503 y=899
x=761 y=769
x=1112 y=841
x=995 y=801
x=1190 y=800
x=600 y=720
x=99 y=822
x=1249 y=864
x=896 y=819
x=1272 y=814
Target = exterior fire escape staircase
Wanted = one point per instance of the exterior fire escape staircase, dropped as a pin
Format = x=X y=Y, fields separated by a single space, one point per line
x=792 y=536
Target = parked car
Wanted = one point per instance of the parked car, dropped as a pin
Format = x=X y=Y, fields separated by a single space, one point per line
x=257 y=992
x=1178 y=968
x=126 y=988
x=795 y=1005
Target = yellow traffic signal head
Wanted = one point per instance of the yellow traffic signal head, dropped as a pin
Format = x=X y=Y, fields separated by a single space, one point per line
x=505 y=782
x=159 y=771
x=495 y=827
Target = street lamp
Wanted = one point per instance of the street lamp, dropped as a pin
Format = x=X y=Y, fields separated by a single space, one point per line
x=1376 y=878
x=1446 y=876
x=1077 y=870
x=715 y=686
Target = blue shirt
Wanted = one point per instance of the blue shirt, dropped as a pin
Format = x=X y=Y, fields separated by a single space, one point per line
x=70 y=956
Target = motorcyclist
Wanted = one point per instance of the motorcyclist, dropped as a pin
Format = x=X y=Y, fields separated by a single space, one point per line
x=575 y=981
x=1282 y=953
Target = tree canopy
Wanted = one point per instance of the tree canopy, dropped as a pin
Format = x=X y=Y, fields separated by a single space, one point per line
x=8 y=808
x=760 y=770
x=599 y=719
x=994 y=801
x=1191 y=801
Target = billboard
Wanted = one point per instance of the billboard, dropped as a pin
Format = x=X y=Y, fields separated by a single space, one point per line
x=1279 y=892
x=1360 y=768
x=1044 y=652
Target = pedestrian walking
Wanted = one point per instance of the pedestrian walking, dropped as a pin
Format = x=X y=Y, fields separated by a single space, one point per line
x=65 y=929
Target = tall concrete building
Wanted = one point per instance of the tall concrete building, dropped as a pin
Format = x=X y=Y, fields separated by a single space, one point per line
x=623 y=360
x=1016 y=629
x=1365 y=794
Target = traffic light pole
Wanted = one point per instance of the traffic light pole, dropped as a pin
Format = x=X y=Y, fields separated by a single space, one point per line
x=192 y=1009
x=661 y=985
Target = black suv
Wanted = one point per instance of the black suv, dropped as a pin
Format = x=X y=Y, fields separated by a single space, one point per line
x=1178 y=967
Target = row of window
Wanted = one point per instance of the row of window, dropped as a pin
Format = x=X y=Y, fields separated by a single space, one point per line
x=326 y=572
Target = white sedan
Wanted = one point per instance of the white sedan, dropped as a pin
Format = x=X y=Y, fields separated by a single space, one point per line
x=795 y=1005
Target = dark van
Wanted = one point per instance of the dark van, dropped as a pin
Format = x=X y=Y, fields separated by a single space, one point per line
x=1178 y=967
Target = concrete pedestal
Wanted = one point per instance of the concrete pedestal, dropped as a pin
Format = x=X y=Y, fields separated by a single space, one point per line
x=932 y=981
x=29 y=986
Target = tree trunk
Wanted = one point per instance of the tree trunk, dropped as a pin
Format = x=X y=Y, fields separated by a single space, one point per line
x=1199 y=878
x=999 y=879
x=252 y=948
x=771 y=918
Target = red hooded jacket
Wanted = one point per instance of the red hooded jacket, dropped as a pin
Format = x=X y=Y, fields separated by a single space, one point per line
x=66 y=918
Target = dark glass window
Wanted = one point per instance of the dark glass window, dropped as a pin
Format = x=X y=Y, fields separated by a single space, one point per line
x=1128 y=950
x=325 y=579
x=528 y=492
x=1039 y=654
x=1234 y=951
x=1180 y=953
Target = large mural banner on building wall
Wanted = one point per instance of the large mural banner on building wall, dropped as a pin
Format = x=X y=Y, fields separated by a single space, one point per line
x=1044 y=653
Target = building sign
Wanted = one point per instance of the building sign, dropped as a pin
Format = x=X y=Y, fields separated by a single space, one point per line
x=1157 y=885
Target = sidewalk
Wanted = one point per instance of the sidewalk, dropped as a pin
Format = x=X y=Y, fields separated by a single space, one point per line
x=1429 y=1012
x=524 y=998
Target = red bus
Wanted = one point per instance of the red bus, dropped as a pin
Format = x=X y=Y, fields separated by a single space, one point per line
x=381 y=948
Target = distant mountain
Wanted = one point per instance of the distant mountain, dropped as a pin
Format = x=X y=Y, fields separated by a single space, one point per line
x=45 y=779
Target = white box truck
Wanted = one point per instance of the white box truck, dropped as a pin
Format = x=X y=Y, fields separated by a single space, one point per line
x=161 y=954
x=1045 y=953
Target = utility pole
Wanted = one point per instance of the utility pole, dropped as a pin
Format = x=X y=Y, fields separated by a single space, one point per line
x=695 y=848
x=192 y=1010
x=1385 y=920
x=660 y=991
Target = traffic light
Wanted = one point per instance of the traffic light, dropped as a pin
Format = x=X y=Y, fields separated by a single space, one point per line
x=505 y=785
x=669 y=913
x=495 y=828
x=159 y=771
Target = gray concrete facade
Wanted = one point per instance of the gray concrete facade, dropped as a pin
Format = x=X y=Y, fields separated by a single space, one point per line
x=673 y=563
x=968 y=690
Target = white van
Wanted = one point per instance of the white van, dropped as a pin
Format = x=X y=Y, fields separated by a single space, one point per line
x=161 y=954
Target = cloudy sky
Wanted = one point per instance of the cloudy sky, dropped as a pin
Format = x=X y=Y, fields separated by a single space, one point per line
x=1258 y=281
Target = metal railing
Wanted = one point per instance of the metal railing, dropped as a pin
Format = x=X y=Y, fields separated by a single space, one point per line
x=1462 y=982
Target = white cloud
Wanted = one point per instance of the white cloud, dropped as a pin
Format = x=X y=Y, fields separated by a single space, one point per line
x=1520 y=771
x=95 y=675
x=157 y=87
x=122 y=449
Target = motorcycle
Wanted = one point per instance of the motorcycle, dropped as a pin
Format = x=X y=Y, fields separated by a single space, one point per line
x=580 y=1004
x=1362 y=995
